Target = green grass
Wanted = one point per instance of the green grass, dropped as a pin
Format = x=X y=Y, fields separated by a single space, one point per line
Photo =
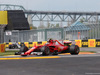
x=11 y=52
x=89 y=51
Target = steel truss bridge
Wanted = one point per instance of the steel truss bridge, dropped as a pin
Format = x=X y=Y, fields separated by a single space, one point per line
x=55 y=16
x=63 y=16
x=11 y=7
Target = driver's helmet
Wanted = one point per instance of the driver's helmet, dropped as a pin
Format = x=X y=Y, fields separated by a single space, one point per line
x=50 y=40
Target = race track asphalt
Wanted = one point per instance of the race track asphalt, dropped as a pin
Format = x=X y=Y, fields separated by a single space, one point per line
x=65 y=65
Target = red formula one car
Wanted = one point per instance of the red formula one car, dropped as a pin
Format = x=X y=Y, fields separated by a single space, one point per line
x=53 y=47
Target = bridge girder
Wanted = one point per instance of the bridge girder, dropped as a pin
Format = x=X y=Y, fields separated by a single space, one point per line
x=11 y=7
x=63 y=16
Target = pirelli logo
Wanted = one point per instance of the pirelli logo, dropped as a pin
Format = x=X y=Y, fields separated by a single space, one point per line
x=84 y=43
x=97 y=42
x=2 y=48
x=92 y=43
x=79 y=43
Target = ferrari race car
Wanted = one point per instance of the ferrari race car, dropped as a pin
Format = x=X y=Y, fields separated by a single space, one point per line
x=53 y=47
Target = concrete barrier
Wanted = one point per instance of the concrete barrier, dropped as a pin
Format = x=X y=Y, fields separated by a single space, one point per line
x=88 y=43
x=80 y=43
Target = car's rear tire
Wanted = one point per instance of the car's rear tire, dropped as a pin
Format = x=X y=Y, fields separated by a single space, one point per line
x=45 y=50
x=74 y=50
x=55 y=52
x=24 y=55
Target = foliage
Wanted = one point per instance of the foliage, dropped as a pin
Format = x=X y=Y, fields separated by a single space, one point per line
x=48 y=25
x=53 y=25
x=57 y=25
x=41 y=27
x=82 y=20
x=89 y=51
x=11 y=52
x=32 y=26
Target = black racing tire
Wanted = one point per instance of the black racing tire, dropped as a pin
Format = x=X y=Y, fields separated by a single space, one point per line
x=23 y=55
x=17 y=53
x=10 y=47
x=16 y=47
x=24 y=48
x=55 y=52
x=45 y=50
x=74 y=50
x=13 y=47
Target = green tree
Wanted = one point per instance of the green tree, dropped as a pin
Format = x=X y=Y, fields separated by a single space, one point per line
x=41 y=27
x=82 y=20
x=52 y=25
x=57 y=25
x=48 y=25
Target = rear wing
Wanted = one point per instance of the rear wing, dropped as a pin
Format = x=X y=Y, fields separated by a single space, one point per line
x=69 y=42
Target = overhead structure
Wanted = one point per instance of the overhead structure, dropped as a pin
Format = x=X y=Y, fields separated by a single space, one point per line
x=55 y=16
x=11 y=7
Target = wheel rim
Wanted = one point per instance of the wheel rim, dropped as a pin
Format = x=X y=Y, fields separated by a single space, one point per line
x=47 y=50
x=77 y=50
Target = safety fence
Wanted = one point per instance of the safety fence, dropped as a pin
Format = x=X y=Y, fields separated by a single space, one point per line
x=83 y=31
x=33 y=35
x=2 y=48
x=73 y=32
x=80 y=43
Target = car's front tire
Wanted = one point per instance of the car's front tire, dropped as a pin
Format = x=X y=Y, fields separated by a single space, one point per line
x=10 y=47
x=23 y=48
x=17 y=53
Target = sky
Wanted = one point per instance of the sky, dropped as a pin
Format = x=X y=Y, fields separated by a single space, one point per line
x=56 y=5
